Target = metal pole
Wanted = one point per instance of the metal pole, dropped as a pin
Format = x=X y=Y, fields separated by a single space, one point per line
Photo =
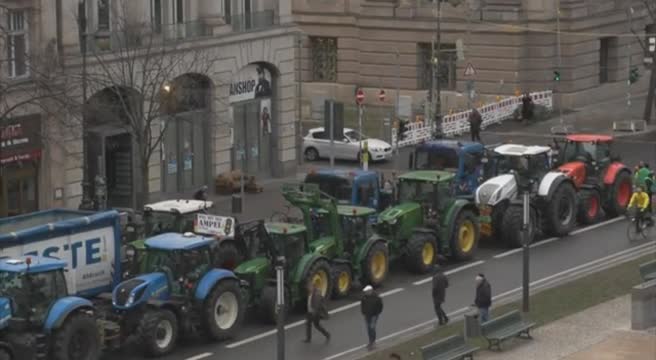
x=628 y=93
x=332 y=135
x=242 y=193
x=560 y=60
x=280 y=306
x=438 y=106
x=526 y=250
x=397 y=161
x=87 y=199
x=360 y=142
x=299 y=103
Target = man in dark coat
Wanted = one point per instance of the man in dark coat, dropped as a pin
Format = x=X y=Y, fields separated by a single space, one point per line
x=371 y=307
x=527 y=107
x=440 y=283
x=483 y=299
x=475 y=121
x=316 y=311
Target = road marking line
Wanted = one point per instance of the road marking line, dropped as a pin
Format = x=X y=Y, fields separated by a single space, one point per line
x=550 y=240
x=464 y=309
x=200 y=356
x=453 y=271
x=391 y=292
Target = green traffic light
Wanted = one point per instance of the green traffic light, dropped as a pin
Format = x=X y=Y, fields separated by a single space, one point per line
x=556 y=75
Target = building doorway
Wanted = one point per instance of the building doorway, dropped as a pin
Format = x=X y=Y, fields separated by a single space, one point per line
x=19 y=189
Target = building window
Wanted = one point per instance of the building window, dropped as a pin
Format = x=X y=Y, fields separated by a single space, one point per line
x=604 y=49
x=156 y=15
x=447 y=66
x=103 y=15
x=17 y=43
x=227 y=11
x=178 y=10
x=324 y=58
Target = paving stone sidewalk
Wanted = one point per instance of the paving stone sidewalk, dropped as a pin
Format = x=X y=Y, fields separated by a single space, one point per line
x=598 y=333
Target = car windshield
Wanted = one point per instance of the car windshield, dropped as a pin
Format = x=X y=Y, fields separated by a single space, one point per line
x=354 y=135
x=338 y=187
x=412 y=190
x=159 y=222
x=440 y=159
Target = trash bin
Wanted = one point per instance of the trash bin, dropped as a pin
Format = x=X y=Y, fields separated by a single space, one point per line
x=236 y=204
x=472 y=324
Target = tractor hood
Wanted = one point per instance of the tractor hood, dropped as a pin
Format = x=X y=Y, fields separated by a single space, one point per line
x=139 y=290
x=495 y=190
x=253 y=266
x=5 y=312
x=391 y=215
x=322 y=246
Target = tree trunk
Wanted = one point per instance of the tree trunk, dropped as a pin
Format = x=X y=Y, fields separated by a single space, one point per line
x=145 y=188
x=649 y=104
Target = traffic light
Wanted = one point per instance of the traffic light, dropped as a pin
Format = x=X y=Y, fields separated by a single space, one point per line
x=403 y=127
x=634 y=75
x=556 y=75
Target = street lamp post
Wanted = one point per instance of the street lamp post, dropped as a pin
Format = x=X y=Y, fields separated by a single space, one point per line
x=87 y=200
x=280 y=306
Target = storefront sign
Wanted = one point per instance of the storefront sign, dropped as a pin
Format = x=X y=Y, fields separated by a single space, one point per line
x=251 y=82
x=20 y=140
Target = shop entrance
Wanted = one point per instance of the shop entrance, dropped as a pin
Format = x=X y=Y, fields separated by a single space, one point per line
x=18 y=190
x=252 y=142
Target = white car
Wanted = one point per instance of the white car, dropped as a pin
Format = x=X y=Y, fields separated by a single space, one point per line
x=316 y=145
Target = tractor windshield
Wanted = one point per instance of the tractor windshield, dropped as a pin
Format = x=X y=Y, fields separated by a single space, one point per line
x=436 y=159
x=586 y=151
x=534 y=164
x=292 y=246
x=338 y=187
x=354 y=230
x=189 y=264
x=159 y=222
x=32 y=294
x=418 y=191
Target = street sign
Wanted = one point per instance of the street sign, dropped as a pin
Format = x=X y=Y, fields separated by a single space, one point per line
x=359 y=96
x=221 y=226
x=469 y=70
x=381 y=95
x=652 y=44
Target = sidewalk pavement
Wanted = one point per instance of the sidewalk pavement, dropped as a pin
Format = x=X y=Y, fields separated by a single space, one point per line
x=598 y=333
x=597 y=118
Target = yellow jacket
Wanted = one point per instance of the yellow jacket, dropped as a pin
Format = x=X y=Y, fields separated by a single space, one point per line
x=639 y=199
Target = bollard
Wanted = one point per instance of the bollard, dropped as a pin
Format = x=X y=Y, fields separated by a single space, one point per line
x=643 y=305
x=236 y=204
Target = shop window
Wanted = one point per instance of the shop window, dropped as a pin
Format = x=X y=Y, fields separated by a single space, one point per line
x=604 y=49
x=446 y=70
x=324 y=58
x=17 y=43
x=103 y=15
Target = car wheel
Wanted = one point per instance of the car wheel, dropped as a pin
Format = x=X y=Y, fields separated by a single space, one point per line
x=311 y=154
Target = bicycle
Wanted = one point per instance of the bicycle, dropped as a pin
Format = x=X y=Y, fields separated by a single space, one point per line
x=639 y=225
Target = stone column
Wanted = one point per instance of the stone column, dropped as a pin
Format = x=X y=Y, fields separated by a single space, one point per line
x=285 y=11
x=211 y=13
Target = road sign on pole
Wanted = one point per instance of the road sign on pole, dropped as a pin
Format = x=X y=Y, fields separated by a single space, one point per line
x=359 y=96
x=469 y=70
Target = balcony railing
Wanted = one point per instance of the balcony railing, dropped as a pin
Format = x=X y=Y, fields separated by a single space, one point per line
x=252 y=21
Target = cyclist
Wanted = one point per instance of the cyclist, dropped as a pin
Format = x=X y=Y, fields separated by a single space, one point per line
x=641 y=200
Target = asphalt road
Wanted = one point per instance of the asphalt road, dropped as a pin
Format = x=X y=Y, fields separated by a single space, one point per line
x=408 y=302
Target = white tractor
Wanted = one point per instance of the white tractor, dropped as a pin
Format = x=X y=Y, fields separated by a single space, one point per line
x=553 y=195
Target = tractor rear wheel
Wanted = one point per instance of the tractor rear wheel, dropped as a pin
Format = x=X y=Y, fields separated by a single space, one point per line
x=376 y=265
x=267 y=304
x=559 y=217
x=157 y=332
x=223 y=310
x=422 y=252
x=228 y=255
x=620 y=194
x=589 y=207
x=77 y=339
x=464 y=240
x=4 y=355
x=318 y=275
x=511 y=226
x=342 y=280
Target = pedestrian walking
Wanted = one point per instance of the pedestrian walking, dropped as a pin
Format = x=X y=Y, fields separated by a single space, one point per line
x=316 y=311
x=371 y=307
x=483 y=299
x=201 y=194
x=440 y=284
x=527 y=107
x=475 y=121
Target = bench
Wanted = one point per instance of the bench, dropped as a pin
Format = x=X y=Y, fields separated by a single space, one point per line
x=452 y=348
x=505 y=327
x=648 y=270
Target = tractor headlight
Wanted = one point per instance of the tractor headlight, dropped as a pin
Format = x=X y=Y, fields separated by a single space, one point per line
x=392 y=221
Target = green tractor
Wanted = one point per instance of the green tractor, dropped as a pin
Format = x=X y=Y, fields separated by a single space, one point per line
x=343 y=234
x=429 y=219
x=267 y=242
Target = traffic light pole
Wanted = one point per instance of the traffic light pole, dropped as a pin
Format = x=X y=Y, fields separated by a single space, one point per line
x=438 y=85
x=397 y=161
x=280 y=306
x=526 y=250
x=560 y=61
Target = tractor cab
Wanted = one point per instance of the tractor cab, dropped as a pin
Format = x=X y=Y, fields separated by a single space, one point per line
x=355 y=224
x=173 y=216
x=468 y=160
x=29 y=286
x=351 y=187
x=433 y=190
x=526 y=161
x=586 y=154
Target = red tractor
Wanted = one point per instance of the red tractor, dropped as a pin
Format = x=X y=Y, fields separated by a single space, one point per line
x=602 y=180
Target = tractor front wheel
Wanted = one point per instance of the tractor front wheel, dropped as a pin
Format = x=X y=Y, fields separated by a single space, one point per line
x=421 y=253
x=318 y=276
x=5 y=355
x=223 y=310
x=511 y=226
x=228 y=255
x=464 y=240
x=157 y=332
x=589 y=207
x=620 y=194
x=267 y=304
x=77 y=339
x=376 y=265
x=342 y=280
x=559 y=217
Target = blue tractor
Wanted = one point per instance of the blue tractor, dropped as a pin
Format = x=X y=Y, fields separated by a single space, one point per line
x=38 y=318
x=179 y=292
x=468 y=160
x=352 y=187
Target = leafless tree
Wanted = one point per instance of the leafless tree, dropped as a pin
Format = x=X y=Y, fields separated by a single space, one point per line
x=136 y=64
